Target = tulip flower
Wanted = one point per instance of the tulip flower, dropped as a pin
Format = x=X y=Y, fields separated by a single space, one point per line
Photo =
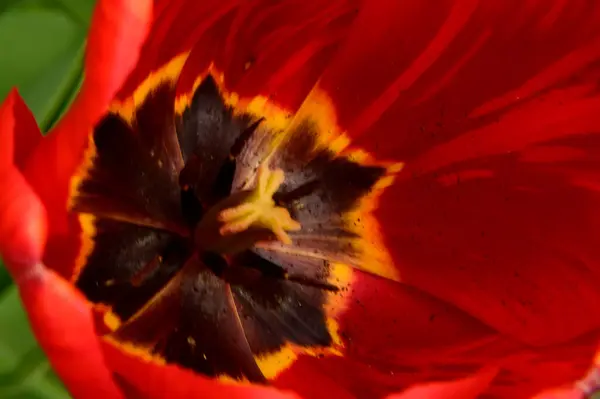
x=334 y=198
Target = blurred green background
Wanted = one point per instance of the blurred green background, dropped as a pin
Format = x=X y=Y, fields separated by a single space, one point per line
x=41 y=53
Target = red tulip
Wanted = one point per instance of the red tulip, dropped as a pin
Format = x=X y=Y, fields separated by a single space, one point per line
x=336 y=198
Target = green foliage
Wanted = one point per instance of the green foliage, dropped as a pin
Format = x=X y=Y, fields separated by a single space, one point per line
x=42 y=44
x=24 y=370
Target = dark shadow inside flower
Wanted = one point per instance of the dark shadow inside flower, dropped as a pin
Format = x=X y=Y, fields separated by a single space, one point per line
x=213 y=234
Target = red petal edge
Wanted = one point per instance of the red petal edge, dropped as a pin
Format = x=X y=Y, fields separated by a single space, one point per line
x=22 y=216
x=466 y=388
x=142 y=379
x=7 y=127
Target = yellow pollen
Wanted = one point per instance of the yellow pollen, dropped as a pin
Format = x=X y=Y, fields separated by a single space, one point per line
x=260 y=210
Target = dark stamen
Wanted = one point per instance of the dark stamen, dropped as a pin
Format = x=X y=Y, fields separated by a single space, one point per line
x=222 y=187
x=243 y=138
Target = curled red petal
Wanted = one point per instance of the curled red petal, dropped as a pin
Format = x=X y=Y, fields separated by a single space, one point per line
x=29 y=135
x=63 y=326
x=22 y=223
x=7 y=128
x=117 y=32
x=16 y=117
x=22 y=216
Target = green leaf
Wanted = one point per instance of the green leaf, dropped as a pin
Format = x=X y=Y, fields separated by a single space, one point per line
x=41 y=55
x=17 y=340
x=48 y=96
x=24 y=370
x=67 y=101
x=5 y=280
x=6 y=4
x=79 y=11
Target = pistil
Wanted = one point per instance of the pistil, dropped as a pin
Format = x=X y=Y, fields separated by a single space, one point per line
x=245 y=218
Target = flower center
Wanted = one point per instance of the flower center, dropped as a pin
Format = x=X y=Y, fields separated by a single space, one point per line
x=196 y=250
x=246 y=218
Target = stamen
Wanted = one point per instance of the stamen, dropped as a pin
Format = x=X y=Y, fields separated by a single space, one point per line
x=260 y=210
x=246 y=218
x=241 y=141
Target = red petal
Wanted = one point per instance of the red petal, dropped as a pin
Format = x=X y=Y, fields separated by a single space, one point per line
x=323 y=383
x=454 y=66
x=16 y=117
x=561 y=394
x=29 y=135
x=59 y=317
x=176 y=27
x=22 y=223
x=590 y=384
x=142 y=379
x=276 y=49
x=117 y=32
x=22 y=216
x=280 y=49
x=397 y=336
x=62 y=323
x=7 y=129
x=507 y=238
x=465 y=388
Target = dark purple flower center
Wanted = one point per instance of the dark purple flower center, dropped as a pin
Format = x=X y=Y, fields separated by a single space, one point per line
x=211 y=242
